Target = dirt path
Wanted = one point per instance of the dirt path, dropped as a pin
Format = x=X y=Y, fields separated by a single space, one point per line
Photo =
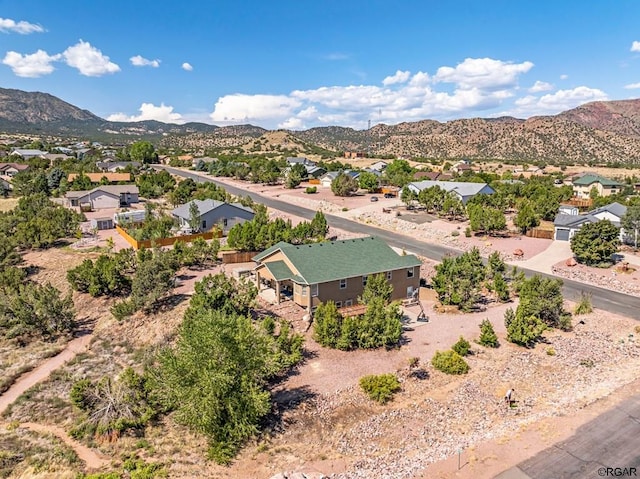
x=92 y=459
x=43 y=371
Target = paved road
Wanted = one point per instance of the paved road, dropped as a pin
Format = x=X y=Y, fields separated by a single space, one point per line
x=604 y=299
x=608 y=441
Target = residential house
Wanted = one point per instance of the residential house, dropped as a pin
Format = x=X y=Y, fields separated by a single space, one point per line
x=567 y=224
x=115 y=166
x=464 y=191
x=427 y=175
x=213 y=214
x=583 y=185
x=335 y=271
x=461 y=167
x=300 y=161
x=327 y=178
x=379 y=166
x=56 y=158
x=27 y=154
x=101 y=197
x=12 y=169
x=98 y=177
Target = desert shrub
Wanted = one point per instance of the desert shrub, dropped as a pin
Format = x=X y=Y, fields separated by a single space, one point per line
x=310 y=190
x=488 y=336
x=584 y=304
x=380 y=387
x=455 y=233
x=449 y=362
x=462 y=347
x=550 y=351
x=467 y=232
x=414 y=362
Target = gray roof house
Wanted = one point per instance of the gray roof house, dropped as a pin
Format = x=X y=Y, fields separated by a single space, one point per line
x=566 y=225
x=114 y=166
x=213 y=214
x=102 y=197
x=300 y=160
x=26 y=154
x=465 y=191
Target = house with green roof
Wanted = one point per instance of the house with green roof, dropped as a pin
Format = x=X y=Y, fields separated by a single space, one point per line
x=334 y=270
x=583 y=185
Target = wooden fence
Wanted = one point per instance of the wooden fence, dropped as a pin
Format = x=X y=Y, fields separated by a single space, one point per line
x=540 y=233
x=230 y=257
x=165 y=241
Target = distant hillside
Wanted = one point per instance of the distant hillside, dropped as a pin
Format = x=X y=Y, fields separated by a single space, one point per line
x=602 y=132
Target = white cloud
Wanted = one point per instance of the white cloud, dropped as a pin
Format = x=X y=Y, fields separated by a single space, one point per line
x=11 y=26
x=187 y=66
x=30 y=66
x=337 y=56
x=483 y=73
x=539 y=86
x=564 y=76
x=140 y=61
x=292 y=124
x=148 y=111
x=241 y=108
x=398 y=77
x=557 y=102
x=89 y=60
x=632 y=86
x=635 y=46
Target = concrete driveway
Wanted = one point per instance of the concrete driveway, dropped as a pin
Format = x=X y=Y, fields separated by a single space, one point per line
x=556 y=252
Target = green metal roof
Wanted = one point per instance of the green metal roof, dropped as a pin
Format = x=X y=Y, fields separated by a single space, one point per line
x=590 y=178
x=257 y=258
x=334 y=260
x=281 y=271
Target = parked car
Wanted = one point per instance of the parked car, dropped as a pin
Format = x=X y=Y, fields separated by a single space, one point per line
x=374 y=198
x=389 y=195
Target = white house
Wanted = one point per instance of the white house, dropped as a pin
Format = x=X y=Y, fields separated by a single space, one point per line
x=102 y=197
x=566 y=225
x=27 y=154
x=464 y=191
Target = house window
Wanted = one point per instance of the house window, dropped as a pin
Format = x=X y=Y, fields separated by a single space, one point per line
x=348 y=302
x=314 y=290
x=304 y=291
x=343 y=284
x=224 y=222
x=388 y=275
x=204 y=224
x=364 y=280
x=410 y=273
x=338 y=304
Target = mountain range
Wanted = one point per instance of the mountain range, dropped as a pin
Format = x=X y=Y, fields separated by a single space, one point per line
x=600 y=132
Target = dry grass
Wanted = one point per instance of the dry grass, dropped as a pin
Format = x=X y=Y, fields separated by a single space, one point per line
x=7 y=204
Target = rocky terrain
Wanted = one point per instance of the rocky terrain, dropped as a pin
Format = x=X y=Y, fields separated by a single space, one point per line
x=598 y=132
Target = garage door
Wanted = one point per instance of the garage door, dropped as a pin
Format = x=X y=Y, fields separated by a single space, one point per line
x=562 y=234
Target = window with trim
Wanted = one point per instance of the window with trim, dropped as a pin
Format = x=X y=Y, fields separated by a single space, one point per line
x=343 y=284
x=338 y=304
x=410 y=273
x=388 y=275
x=348 y=302
x=224 y=222
x=204 y=224
x=314 y=290
x=304 y=291
x=364 y=280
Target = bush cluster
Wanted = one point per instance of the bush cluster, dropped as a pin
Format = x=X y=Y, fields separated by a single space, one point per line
x=449 y=362
x=381 y=387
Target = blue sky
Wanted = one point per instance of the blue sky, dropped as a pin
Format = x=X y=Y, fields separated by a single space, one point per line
x=300 y=64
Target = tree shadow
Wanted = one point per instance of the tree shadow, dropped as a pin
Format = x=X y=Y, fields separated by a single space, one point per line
x=284 y=401
x=419 y=373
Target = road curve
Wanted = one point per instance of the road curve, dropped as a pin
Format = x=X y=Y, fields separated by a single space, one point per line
x=602 y=298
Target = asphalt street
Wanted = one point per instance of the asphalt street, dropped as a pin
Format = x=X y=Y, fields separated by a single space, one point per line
x=604 y=447
x=604 y=299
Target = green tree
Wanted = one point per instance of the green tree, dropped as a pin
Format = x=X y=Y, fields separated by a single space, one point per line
x=408 y=196
x=327 y=324
x=398 y=173
x=344 y=185
x=595 y=243
x=526 y=218
x=458 y=279
x=488 y=336
x=380 y=388
x=194 y=217
x=486 y=219
x=377 y=287
x=449 y=362
x=295 y=175
x=143 y=152
x=462 y=347
x=215 y=378
x=368 y=181
x=630 y=222
x=523 y=330
x=542 y=298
